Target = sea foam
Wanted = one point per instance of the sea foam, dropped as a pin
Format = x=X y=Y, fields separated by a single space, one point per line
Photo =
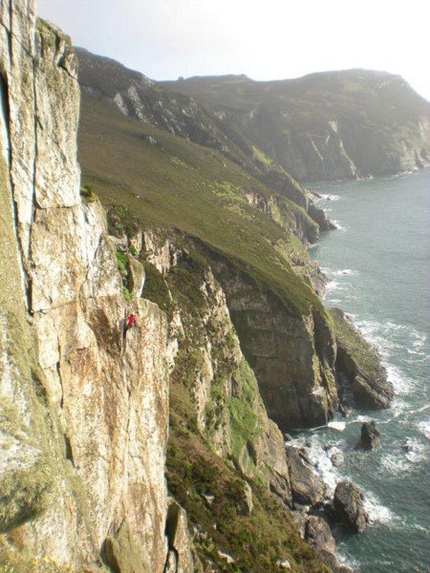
x=345 y=272
x=424 y=428
x=337 y=425
x=377 y=512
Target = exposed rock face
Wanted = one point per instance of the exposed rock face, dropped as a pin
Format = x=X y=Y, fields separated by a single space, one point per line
x=348 y=506
x=229 y=410
x=359 y=366
x=369 y=435
x=319 y=535
x=85 y=407
x=306 y=486
x=292 y=355
x=180 y=558
x=94 y=415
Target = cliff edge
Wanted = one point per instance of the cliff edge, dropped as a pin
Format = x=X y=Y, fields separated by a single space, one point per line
x=84 y=418
x=153 y=450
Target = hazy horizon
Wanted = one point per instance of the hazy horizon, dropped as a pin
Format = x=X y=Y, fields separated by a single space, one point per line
x=168 y=39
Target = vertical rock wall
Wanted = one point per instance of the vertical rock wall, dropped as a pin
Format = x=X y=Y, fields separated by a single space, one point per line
x=83 y=435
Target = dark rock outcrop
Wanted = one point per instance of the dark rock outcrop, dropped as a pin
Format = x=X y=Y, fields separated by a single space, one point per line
x=291 y=352
x=369 y=435
x=348 y=507
x=359 y=367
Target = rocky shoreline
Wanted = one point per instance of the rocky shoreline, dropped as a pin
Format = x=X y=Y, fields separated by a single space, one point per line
x=321 y=512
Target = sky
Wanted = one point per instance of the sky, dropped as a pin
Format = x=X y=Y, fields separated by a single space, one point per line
x=263 y=39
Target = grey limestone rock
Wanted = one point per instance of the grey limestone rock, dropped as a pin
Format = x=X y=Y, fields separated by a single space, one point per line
x=307 y=488
x=319 y=535
x=348 y=506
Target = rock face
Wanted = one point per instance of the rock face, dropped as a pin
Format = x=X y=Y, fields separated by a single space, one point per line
x=319 y=535
x=230 y=413
x=369 y=435
x=306 y=486
x=84 y=420
x=348 y=506
x=87 y=482
x=358 y=366
x=292 y=354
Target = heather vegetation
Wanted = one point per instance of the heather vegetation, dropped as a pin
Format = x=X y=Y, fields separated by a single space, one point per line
x=175 y=183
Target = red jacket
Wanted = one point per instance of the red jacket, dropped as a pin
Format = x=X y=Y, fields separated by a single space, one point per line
x=131 y=321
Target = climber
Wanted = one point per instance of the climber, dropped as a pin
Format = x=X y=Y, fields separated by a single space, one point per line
x=130 y=322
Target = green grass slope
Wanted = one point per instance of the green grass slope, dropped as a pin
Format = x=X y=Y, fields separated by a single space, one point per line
x=167 y=181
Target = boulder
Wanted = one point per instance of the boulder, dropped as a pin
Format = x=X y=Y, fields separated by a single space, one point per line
x=246 y=501
x=320 y=537
x=179 y=557
x=318 y=534
x=307 y=488
x=369 y=435
x=348 y=506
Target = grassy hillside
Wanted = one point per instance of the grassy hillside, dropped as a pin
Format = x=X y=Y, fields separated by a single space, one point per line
x=168 y=181
x=162 y=181
x=376 y=116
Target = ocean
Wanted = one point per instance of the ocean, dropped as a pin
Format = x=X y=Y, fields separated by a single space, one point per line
x=378 y=263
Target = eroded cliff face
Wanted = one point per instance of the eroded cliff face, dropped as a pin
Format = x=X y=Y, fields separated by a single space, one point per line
x=84 y=419
x=324 y=126
x=84 y=412
x=291 y=353
x=228 y=408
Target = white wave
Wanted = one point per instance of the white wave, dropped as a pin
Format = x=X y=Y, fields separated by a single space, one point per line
x=336 y=456
x=414 y=451
x=377 y=512
x=416 y=457
x=329 y=197
x=405 y=457
x=418 y=527
x=420 y=410
x=399 y=406
x=381 y=336
x=394 y=464
x=419 y=341
x=336 y=425
x=323 y=464
x=335 y=286
x=338 y=225
x=332 y=286
x=320 y=457
x=361 y=418
x=424 y=428
x=345 y=272
x=344 y=558
x=391 y=337
x=402 y=384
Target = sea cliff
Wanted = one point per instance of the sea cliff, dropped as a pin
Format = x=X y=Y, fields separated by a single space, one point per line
x=224 y=356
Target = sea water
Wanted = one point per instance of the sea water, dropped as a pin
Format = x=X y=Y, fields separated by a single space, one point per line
x=378 y=263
